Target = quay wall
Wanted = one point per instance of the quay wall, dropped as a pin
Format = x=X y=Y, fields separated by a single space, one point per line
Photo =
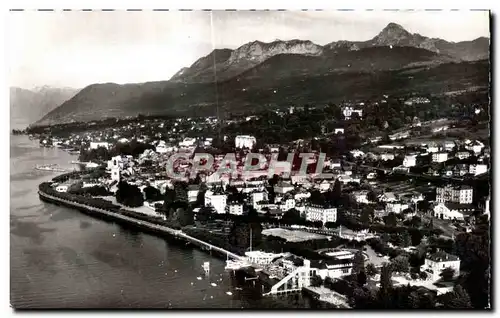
x=146 y=226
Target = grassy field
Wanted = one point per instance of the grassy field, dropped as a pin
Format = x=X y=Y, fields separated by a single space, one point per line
x=293 y=236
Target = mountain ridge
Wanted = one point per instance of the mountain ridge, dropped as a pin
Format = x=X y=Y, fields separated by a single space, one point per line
x=252 y=53
x=248 y=76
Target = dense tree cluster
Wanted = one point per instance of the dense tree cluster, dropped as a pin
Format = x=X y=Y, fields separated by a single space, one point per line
x=129 y=195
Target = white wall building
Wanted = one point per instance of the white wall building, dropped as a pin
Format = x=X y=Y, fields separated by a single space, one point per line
x=435 y=263
x=115 y=174
x=95 y=145
x=320 y=213
x=478 y=169
x=439 y=157
x=460 y=194
x=62 y=188
x=349 y=111
x=217 y=201
x=260 y=258
x=410 y=161
x=256 y=197
x=244 y=141
x=453 y=211
x=396 y=207
x=187 y=142
x=283 y=187
x=234 y=208
x=287 y=204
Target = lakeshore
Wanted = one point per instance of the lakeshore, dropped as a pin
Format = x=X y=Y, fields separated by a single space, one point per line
x=141 y=224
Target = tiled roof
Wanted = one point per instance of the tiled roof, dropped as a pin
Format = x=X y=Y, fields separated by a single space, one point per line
x=442 y=256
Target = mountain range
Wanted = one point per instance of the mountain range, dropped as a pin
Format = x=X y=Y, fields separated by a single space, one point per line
x=259 y=74
x=28 y=106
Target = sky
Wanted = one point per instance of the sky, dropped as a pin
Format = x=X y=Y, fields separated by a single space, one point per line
x=76 y=48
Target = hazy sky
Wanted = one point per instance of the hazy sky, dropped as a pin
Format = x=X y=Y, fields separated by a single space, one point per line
x=75 y=49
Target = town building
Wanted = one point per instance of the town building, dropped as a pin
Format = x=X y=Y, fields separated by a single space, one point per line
x=64 y=187
x=410 y=161
x=456 y=194
x=244 y=141
x=478 y=169
x=387 y=156
x=462 y=155
x=283 y=187
x=260 y=257
x=439 y=157
x=453 y=211
x=193 y=190
x=234 y=208
x=348 y=111
x=321 y=213
x=103 y=144
x=217 y=200
x=437 y=262
x=334 y=268
x=396 y=207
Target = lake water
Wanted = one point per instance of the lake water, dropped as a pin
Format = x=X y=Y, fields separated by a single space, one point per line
x=61 y=258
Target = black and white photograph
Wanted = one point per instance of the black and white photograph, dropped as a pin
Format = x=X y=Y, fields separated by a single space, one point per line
x=250 y=159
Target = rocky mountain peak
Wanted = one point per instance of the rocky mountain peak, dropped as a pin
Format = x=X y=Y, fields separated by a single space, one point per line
x=392 y=34
x=259 y=51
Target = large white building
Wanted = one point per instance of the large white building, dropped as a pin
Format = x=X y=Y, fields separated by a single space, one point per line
x=283 y=187
x=216 y=200
x=439 y=157
x=478 y=169
x=453 y=211
x=95 y=145
x=320 y=213
x=257 y=197
x=410 y=161
x=245 y=141
x=235 y=208
x=459 y=194
x=348 y=111
x=187 y=142
x=435 y=263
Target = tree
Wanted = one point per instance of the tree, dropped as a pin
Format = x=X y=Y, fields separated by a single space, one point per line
x=447 y=274
x=416 y=221
x=406 y=239
x=337 y=189
x=456 y=299
x=400 y=264
x=384 y=293
x=358 y=264
x=316 y=280
x=371 y=196
x=168 y=198
x=291 y=216
x=361 y=278
x=245 y=235
x=366 y=215
x=391 y=219
x=152 y=193
x=205 y=214
x=371 y=270
x=129 y=195
x=423 y=275
x=423 y=206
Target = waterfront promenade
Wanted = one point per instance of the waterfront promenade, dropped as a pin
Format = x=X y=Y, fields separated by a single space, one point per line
x=140 y=223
